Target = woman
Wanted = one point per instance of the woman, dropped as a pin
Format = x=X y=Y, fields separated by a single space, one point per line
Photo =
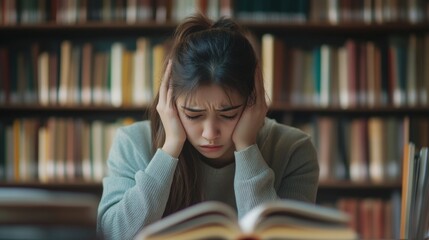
x=208 y=138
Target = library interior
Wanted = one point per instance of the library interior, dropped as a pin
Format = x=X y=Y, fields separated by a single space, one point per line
x=353 y=75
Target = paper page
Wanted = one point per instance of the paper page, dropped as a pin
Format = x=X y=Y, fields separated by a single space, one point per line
x=291 y=207
x=192 y=217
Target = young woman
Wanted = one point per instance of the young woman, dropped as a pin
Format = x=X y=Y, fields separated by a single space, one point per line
x=208 y=138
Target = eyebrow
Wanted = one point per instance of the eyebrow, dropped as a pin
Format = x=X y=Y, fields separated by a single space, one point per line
x=229 y=108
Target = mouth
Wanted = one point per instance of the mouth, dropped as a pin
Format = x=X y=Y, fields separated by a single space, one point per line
x=211 y=147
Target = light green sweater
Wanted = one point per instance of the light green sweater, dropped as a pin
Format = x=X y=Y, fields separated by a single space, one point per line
x=283 y=164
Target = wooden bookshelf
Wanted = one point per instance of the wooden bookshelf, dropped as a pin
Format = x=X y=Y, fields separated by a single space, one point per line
x=94 y=188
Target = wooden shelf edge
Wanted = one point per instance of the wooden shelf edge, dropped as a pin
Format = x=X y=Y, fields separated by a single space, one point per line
x=170 y=25
x=273 y=107
x=53 y=185
x=359 y=185
x=82 y=184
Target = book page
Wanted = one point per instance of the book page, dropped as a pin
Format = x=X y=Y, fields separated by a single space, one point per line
x=194 y=217
x=291 y=208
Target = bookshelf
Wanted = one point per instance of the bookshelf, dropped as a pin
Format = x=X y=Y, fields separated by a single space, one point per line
x=30 y=38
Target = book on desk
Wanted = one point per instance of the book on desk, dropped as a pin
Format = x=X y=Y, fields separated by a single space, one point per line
x=282 y=219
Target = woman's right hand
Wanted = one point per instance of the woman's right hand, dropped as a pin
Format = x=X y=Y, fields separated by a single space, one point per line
x=175 y=135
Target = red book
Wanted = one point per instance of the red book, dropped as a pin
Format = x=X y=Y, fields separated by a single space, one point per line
x=5 y=74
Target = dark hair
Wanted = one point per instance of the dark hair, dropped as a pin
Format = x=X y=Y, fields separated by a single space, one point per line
x=203 y=53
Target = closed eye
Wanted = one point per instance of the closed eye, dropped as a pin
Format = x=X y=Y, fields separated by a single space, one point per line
x=192 y=117
x=229 y=117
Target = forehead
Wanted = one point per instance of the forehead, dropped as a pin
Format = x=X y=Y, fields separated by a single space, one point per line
x=211 y=95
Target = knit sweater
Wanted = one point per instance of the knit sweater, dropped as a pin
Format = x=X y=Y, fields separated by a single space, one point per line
x=282 y=164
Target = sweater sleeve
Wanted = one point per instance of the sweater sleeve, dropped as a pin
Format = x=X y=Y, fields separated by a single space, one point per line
x=254 y=180
x=300 y=178
x=297 y=174
x=135 y=191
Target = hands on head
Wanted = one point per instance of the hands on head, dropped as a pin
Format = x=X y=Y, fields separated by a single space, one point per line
x=244 y=134
x=175 y=135
x=252 y=117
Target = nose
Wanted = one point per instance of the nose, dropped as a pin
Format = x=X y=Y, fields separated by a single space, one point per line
x=211 y=131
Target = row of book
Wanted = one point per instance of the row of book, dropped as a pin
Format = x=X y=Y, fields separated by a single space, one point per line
x=124 y=73
x=73 y=73
x=359 y=149
x=362 y=149
x=56 y=150
x=403 y=216
x=350 y=74
x=132 y=11
x=373 y=218
x=332 y=11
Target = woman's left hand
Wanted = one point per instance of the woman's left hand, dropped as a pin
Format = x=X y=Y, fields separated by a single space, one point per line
x=252 y=117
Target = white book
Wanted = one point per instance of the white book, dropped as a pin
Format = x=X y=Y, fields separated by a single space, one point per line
x=268 y=65
x=325 y=71
x=43 y=66
x=213 y=9
x=131 y=11
x=343 y=73
x=333 y=11
x=142 y=89
x=116 y=74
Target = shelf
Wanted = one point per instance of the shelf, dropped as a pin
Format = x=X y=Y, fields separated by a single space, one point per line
x=90 y=29
x=342 y=185
x=28 y=110
x=88 y=187
x=418 y=110
x=345 y=28
x=97 y=186
x=102 y=29
x=333 y=190
x=12 y=111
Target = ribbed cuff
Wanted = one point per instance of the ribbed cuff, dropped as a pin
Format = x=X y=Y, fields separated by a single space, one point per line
x=162 y=165
x=249 y=162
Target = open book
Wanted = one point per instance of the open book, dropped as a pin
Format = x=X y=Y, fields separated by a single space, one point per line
x=282 y=219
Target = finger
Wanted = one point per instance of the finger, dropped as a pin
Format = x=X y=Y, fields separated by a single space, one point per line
x=169 y=97
x=165 y=81
x=259 y=86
